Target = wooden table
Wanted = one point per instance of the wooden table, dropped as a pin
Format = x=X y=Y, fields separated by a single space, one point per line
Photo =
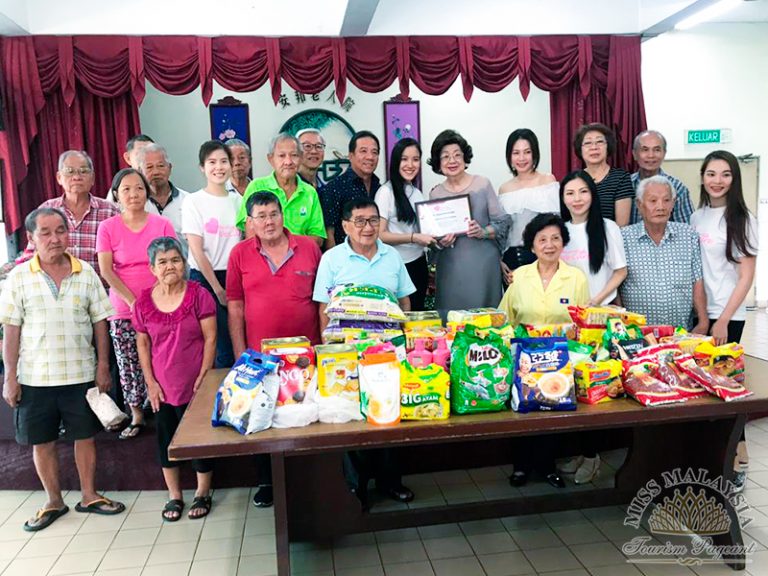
x=311 y=498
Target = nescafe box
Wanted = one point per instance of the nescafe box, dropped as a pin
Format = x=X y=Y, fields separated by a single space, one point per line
x=297 y=367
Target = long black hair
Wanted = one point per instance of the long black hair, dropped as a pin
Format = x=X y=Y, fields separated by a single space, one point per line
x=596 y=237
x=405 y=212
x=736 y=211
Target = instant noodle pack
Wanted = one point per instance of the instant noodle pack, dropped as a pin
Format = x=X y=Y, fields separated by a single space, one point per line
x=384 y=366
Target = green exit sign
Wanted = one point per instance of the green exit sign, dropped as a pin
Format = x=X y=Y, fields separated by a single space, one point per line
x=718 y=136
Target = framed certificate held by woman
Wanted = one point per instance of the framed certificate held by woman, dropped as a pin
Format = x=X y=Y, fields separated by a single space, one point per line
x=444 y=216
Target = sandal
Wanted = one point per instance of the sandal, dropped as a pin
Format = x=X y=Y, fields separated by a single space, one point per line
x=131 y=431
x=172 y=510
x=102 y=505
x=200 y=503
x=44 y=518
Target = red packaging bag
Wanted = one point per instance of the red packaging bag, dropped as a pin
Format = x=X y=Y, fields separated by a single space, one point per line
x=643 y=386
x=716 y=384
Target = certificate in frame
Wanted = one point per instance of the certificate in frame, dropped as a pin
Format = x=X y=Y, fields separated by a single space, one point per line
x=444 y=216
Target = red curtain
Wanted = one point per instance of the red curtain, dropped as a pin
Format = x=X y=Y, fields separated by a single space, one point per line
x=84 y=92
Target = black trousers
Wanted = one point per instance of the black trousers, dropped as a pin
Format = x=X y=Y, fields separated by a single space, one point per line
x=419 y=273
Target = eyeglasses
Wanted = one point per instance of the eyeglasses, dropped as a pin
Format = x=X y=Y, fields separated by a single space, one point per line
x=264 y=217
x=591 y=143
x=307 y=147
x=454 y=157
x=361 y=222
x=84 y=171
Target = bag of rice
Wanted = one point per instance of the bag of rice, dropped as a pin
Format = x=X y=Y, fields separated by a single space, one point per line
x=543 y=375
x=363 y=302
x=481 y=369
x=246 y=398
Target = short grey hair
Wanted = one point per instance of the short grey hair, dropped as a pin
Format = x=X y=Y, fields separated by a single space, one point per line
x=300 y=133
x=81 y=153
x=658 y=179
x=144 y=150
x=237 y=142
x=30 y=222
x=281 y=138
x=166 y=244
x=643 y=134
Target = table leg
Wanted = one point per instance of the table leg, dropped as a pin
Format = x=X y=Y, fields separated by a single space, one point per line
x=281 y=514
x=690 y=446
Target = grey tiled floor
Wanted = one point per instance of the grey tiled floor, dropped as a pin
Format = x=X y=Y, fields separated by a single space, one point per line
x=237 y=539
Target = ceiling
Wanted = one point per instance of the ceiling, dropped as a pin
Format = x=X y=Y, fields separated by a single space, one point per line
x=356 y=17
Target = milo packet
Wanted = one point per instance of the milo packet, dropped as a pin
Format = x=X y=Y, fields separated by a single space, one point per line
x=481 y=368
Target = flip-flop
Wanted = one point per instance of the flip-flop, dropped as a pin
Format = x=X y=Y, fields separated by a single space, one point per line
x=44 y=518
x=128 y=432
x=200 y=503
x=101 y=506
x=176 y=506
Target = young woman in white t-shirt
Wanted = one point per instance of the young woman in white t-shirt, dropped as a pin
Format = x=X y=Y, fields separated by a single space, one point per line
x=596 y=245
x=208 y=220
x=396 y=200
x=728 y=237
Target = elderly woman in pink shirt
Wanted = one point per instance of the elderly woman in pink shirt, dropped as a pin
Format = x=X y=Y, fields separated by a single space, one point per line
x=121 y=245
x=175 y=322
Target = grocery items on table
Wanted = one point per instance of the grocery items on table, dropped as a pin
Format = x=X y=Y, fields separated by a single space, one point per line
x=386 y=366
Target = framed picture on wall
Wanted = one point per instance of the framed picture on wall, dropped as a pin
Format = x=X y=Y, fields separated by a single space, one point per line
x=229 y=119
x=401 y=120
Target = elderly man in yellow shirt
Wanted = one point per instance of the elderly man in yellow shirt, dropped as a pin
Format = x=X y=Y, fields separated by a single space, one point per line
x=542 y=291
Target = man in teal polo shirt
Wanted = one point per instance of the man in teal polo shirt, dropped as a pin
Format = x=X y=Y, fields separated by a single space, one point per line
x=362 y=259
x=302 y=212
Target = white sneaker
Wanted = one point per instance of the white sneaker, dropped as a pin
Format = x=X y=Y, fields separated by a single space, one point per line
x=588 y=470
x=570 y=465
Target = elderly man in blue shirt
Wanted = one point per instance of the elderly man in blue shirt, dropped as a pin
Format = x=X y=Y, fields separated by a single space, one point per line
x=362 y=259
x=664 y=270
x=649 y=150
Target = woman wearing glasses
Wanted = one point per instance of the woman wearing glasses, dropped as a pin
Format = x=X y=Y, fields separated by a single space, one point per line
x=593 y=144
x=468 y=265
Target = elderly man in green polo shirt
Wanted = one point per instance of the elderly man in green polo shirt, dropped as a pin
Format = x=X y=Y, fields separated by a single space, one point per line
x=302 y=212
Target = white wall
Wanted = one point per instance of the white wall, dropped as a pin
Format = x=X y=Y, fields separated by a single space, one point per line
x=713 y=76
x=181 y=123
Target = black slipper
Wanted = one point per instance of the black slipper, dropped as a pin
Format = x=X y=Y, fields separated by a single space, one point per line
x=200 y=503
x=128 y=432
x=103 y=506
x=176 y=506
x=44 y=518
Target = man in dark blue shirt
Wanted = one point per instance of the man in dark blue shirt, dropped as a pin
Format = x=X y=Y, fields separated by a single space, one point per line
x=358 y=181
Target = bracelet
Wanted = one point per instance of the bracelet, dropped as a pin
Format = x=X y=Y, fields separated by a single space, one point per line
x=485 y=233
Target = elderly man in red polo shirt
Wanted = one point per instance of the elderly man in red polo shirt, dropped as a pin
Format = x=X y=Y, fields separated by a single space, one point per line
x=270 y=278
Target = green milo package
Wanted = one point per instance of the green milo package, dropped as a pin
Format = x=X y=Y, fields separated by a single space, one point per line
x=481 y=372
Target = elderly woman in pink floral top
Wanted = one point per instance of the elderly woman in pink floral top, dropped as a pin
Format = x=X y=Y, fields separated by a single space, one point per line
x=175 y=324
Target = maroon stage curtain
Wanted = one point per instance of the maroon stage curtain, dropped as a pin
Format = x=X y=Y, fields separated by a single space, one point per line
x=84 y=92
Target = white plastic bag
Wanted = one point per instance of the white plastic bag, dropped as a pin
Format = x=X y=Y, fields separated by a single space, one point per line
x=337 y=409
x=105 y=408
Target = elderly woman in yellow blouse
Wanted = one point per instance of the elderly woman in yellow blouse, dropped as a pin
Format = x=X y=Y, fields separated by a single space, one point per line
x=542 y=291
x=540 y=294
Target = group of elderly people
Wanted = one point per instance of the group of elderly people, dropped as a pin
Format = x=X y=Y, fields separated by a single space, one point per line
x=187 y=293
